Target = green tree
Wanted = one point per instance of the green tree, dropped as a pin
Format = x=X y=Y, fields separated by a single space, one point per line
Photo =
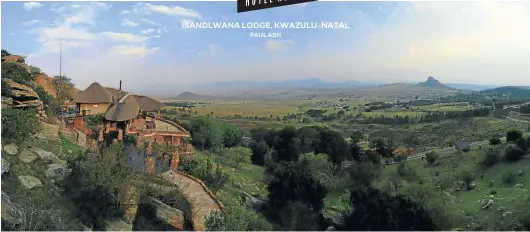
x=236 y=217
x=238 y=155
x=206 y=133
x=513 y=153
x=64 y=87
x=259 y=151
x=376 y=210
x=320 y=168
x=19 y=125
x=35 y=70
x=513 y=135
x=290 y=183
x=231 y=136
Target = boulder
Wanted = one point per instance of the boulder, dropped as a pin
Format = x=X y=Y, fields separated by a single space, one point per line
x=23 y=96
x=118 y=225
x=167 y=214
x=46 y=155
x=48 y=132
x=5 y=166
x=30 y=182
x=331 y=228
x=27 y=156
x=11 y=149
x=57 y=171
x=251 y=201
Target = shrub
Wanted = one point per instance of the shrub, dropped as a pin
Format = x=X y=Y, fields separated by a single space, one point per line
x=509 y=177
x=404 y=170
x=19 y=125
x=468 y=177
x=99 y=183
x=513 y=153
x=491 y=158
x=16 y=72
x=237 y=155
x=212 y=174
x=495 y=141
x=48 y=100
x=512 y=136
x=431 y=157
x=521 y=143
x=237 y=217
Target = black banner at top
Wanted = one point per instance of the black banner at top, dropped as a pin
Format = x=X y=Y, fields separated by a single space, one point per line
x=251 y=5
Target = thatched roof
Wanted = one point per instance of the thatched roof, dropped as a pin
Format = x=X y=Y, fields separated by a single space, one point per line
x=95 y=93
x=148 y=104
x=112 y=91
x=125 y=108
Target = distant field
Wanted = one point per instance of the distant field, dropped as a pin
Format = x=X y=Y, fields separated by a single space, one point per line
x=392 y=113
x=245 y=108
x=443 y=107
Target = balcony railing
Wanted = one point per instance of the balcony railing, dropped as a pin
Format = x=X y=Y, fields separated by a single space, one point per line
x=72 y=113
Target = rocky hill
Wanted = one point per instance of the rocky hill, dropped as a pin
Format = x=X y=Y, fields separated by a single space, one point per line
x=432 y=82
x=190 y=96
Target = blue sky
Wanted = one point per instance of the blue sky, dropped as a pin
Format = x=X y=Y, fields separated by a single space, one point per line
x=143 y=44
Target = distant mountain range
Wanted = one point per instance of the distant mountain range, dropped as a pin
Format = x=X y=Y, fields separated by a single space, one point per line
x=312 y=83
x=514 y=92
x=307 y=87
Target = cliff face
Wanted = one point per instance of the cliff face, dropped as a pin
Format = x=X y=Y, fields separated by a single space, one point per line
x=46 y=83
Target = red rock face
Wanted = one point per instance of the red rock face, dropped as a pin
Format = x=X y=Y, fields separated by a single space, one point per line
x=175 y=160
x=46 y=83
x=150 y=165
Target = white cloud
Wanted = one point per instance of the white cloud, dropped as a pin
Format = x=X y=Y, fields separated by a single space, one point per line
x=32 y=5
x=31 y=22
x=151 y=22
x=479 y=42
x=133 y=50
x=172 y=10
x=128 y=23
x=66 y=27
x=277 y=45
x=148 y=31
x=124 y=37
x=124 y=12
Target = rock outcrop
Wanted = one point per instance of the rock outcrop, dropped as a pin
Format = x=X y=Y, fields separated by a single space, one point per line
x=46 y=83
x=167 y=214
x=23 y=96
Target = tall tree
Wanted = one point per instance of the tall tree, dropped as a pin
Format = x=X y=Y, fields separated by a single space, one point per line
x=64 y=88
x=376 y=210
